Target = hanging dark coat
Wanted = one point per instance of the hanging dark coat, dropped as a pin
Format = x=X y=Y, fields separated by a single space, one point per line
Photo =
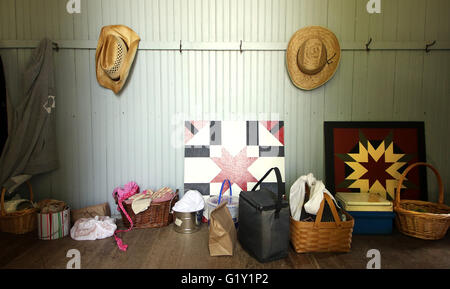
x=3 y=111
x=31 y=145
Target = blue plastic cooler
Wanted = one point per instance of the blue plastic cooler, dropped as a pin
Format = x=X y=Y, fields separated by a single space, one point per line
x=373 y=214
x=373 y=223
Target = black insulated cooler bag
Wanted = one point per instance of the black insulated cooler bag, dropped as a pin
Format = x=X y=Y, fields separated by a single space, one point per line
x=264 y=221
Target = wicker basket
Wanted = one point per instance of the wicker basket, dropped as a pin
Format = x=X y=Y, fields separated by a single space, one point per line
x=19 y=222
x=321 y=236
x=157 y=215
x=420 y=219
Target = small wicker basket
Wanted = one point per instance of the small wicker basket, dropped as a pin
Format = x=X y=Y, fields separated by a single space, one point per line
x=420 y=219
x=157 y=215
x=19 y=222
x=321 y=236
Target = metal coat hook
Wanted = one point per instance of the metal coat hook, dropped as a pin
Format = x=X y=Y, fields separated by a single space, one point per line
x=240 y=47
x=429 y=45
x=55 y=46
x=181 y=46
x=368 y=43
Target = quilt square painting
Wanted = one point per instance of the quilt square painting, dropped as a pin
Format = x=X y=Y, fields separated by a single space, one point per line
x=241 y=151
x=371 y=156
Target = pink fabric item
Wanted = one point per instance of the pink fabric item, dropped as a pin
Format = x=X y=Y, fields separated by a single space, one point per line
x=122 y=194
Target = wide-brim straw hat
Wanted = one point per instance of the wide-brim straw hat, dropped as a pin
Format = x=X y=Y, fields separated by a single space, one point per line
x=312 y=57
x=116 y=49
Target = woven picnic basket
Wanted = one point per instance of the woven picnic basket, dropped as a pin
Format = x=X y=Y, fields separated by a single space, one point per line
x=19 y=222
x=157 y=215
x=420 y=219
x=321 y=236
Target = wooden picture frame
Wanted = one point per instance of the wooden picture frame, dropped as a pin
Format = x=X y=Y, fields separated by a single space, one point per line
x=370 y=157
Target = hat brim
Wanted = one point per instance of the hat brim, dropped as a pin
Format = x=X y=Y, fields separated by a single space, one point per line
x=303 y=80
x=132 y=40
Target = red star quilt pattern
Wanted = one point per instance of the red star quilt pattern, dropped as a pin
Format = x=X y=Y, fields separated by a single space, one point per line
x=241 y=151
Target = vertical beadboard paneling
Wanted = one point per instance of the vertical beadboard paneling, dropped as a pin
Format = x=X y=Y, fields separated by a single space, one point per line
x=433 y=89
x=51 y=19
x=65 y=178
x=409 y=102
x=23 y=19
x=8 y=27
x=81 y=22
x=433 y=79
x=106 y=140
x=66 y=21
x=83 y=125
x=99 y=143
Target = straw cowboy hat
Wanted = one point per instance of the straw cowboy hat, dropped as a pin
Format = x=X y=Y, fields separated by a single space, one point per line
x=312 y=57
x=115 y=53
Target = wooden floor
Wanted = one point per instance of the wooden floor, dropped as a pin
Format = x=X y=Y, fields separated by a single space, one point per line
x=165 y=249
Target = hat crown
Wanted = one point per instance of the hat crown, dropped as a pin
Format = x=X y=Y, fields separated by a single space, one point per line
x=114 y=56
x=312 y=56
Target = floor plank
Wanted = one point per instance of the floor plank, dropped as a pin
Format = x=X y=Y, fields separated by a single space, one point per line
x=164 y=248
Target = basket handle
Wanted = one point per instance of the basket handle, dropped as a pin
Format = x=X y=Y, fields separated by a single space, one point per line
x=221 y=190
x=171 y=200
x=330 y=202
x=403 y=177
x=2 y=201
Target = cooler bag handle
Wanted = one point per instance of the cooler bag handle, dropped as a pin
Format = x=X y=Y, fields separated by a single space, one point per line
x=280 y=187
x=221 y=190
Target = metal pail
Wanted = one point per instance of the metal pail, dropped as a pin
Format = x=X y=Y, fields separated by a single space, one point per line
x=187 y=223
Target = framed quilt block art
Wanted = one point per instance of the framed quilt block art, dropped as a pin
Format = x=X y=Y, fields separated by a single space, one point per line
x=366 y=157
x=241 y=151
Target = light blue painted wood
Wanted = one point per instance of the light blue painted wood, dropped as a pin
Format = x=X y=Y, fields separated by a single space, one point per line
x=81 y=23
x=22 y=10
x=409 y=103
x=66 y=22
x=99 y=143
x=8 y=27
x=83 y=126
x=339 y=92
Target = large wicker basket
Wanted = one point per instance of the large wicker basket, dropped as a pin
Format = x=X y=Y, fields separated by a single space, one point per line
x=321 y=236
x=156 y=216
x=420 y=219
x=19 y=222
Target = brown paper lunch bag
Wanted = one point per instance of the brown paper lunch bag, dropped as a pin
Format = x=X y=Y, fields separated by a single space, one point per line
x=222 y=232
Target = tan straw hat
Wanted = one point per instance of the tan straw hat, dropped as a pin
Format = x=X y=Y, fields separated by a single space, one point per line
x=115 y=53
x=312 y=57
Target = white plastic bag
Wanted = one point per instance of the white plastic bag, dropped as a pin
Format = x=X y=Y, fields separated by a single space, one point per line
x=93 y=228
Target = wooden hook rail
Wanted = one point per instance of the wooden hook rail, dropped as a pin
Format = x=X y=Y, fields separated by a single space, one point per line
x=240 y=46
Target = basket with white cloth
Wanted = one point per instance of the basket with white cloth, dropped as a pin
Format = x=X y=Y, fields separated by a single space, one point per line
x=317 y=235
